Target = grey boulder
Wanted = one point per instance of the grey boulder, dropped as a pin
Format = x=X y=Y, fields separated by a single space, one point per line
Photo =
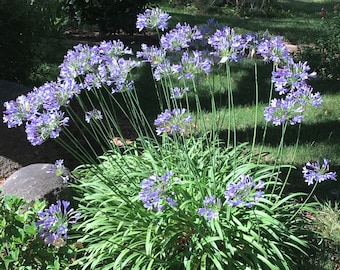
x=34 y=182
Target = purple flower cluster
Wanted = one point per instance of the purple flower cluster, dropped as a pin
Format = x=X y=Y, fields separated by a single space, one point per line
x=178 y=92
x=58 y=169
x=316 y=172
x=273 y=49
x=87 y=67
x=53 y=223
x=172 y=121
x=290 y=77
x=292 y=107
x=180 y=38
x=290 y=82
x=191 y=65
x=84 y=68
x=153 y=19
x=173 y=57
x=152 y=54
x=156 y=191
x=40 y=109
x=211 y=208
x=244 y=192
x=228 y=45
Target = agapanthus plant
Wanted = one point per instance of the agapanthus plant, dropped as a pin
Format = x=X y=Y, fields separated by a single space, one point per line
x=229 y=209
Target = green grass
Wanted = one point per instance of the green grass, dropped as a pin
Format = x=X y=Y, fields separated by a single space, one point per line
x=295 y=19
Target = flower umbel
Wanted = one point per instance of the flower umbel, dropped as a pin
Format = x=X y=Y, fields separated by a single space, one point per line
x=156 y=190
x=153 y=19
x=94 y=114
x=53 y=223
x=314 y=171
x=211 y=208
x=244 y=192
x=172 y=121
x=59 y=169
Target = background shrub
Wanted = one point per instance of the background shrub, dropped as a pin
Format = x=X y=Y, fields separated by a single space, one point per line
x=111 y=16
x=242 y=7
x=324 y=54
x=23 y=24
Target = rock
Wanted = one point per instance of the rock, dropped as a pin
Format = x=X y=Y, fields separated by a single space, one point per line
x=34 y=182
x=11 y=90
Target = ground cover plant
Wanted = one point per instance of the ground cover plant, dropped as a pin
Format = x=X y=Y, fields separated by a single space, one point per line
x=184 y=192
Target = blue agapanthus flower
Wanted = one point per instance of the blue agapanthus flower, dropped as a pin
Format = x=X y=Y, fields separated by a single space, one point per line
x=211 y=208
x=172 y=121
x=156 y=191
x=53 y=223
x=244 y=192
x=153 y=19
x=316 y=172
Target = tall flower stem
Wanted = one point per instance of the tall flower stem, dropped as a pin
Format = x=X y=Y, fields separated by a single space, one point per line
x=290 y=167
x=266 y=123
x=256 y=111
x=304 y=203
x=231 y=109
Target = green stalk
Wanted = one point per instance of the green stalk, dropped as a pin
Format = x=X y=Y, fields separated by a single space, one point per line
x=256 y=112
x=304 y=203
x=290 y=167
x=266 y=123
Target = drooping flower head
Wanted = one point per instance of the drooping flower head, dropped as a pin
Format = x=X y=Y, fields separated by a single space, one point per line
x=58 y=169
x=316 y=172
x=53 y=223
x=153 y=19
x=156 y=191
x=211 y=208
x=244 y=192
x=172 y=121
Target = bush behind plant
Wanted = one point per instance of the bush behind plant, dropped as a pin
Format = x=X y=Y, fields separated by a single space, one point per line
x=324 y=54
x=111 y=16
x=23 y=24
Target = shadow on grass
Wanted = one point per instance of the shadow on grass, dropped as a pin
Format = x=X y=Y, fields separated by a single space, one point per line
x=294 y=22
